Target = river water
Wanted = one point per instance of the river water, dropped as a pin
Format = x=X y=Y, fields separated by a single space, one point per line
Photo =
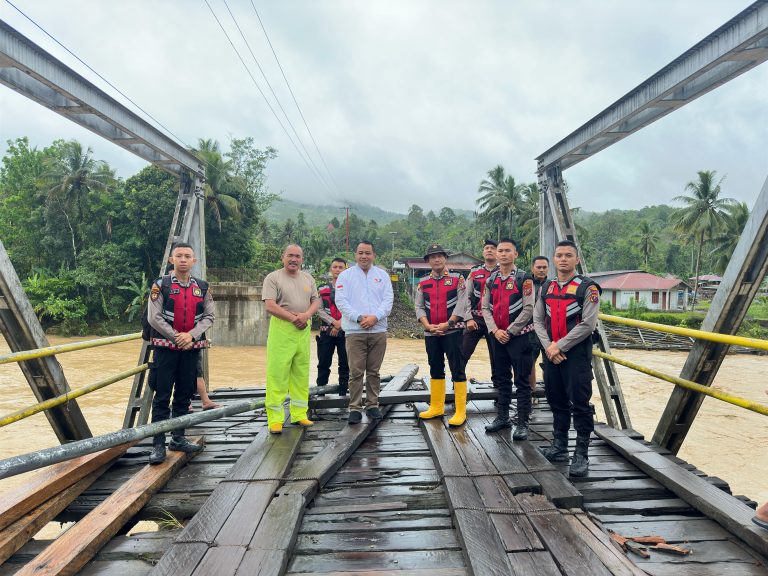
x=725 y=441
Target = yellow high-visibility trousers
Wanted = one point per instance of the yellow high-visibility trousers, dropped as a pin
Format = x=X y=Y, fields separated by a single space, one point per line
x=287 y=370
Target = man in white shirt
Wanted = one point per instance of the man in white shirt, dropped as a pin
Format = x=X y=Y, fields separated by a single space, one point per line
x=364 y=297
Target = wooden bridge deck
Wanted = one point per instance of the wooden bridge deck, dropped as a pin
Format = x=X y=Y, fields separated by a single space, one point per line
x=408 y=497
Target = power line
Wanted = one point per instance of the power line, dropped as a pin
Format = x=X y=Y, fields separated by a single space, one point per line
x=306 y=125
x=255 y=83
x=263 y=75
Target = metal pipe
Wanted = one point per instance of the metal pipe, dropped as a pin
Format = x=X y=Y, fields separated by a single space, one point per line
x=71 y=395
x=61 y=348
x=40 y=458
x=690 y=332
x=706 y=390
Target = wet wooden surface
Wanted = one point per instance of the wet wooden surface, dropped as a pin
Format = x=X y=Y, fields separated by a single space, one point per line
x=387 y=510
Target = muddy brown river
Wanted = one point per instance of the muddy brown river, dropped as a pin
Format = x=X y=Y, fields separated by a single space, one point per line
x=725 y=441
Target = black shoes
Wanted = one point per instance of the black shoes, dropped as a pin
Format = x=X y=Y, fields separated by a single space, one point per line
x=558 y=451
x=157 y=456
x=580 y=461
x=355 y=417
x=520 y=432
x=181 y=444
x=374 y=413
x=500 y=423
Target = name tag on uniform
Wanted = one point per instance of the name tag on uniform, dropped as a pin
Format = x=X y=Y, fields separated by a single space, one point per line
x=175 y=291
x=571 y=289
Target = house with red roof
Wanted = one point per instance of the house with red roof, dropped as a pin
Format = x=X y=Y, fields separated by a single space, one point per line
x=655 y=292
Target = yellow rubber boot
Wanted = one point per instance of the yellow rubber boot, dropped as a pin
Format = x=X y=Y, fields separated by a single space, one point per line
x=460 y=391
x=436 y=400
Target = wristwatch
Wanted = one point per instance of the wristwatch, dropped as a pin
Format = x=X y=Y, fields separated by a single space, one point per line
x=451 y=323
x=359 y=319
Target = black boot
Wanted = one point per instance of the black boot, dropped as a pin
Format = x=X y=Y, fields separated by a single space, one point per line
x=157 y=456
x=521 y=430
x=558 y=451
x=580 y=462
x=180 y=444
x=343 y=388
x=501 y=421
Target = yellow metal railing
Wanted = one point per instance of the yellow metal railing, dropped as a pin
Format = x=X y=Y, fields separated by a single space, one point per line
x=690 y=332
x=61 y=348
x=71 y=395
x=688 y=384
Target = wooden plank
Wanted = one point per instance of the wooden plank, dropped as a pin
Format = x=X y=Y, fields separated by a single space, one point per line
x=695 y=530
x=183 y=561
x=571 y=550
x=17 y=534
x=381 y=541
x=534 y=563
x=344 y=524
x=52 y=480
x=734 y=515
x=221 y=560
x=352 y=508
x=73 y=549
x=372 y=561
x=554 y=485
x=599 y=542
x=418 y=572
x=651 y=508
x=710 y=569
x=276 y=533
x=391 y=397
x=482 y=547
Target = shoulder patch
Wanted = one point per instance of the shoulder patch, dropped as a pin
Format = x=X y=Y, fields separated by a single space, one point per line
x=461 y=281
x=594 y=295
x=527 y=287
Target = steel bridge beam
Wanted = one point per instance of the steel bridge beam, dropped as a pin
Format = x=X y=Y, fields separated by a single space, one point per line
x=741 y=281
x=33 y=72
x=737 y=46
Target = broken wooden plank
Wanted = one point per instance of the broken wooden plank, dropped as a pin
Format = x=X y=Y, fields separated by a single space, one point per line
x=52 y=480
x=73 y=549
x=723 y=508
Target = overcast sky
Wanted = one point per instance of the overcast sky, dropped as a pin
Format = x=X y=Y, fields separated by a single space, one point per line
x=412 y=101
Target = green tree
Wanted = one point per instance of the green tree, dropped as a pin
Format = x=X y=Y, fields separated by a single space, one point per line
x=646 y=237
x=703 y=216
x=725 y=243
x=500 y=197
x=70 y=176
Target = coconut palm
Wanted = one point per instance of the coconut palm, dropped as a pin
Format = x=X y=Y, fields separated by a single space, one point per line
x=70 y=176
x=528 y=218
x=703 y=216
x=725 y=242
x=646 y=237
x=501 y=197
x=221 y=188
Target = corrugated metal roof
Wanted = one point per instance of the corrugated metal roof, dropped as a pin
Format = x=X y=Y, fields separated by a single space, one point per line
x=640 y=281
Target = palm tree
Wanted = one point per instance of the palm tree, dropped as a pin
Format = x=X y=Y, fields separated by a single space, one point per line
x=70 y=176
x=646 y=237
x=500 y=197
x=703 y=216
x=725 y=243
x=528 y=217
x=221 y=188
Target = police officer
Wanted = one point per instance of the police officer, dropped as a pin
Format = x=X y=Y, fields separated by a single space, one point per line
x=539 y=271
x=565 y=318
x=440 y=307
x=331 y=336
x=475 y=323
x=508 y=310
x=180 y=310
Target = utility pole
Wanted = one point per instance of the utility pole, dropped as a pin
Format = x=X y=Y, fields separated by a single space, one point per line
x=393 y=249
x=346 y=226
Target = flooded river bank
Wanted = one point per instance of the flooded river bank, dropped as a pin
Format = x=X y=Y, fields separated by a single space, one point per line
x=725 y=441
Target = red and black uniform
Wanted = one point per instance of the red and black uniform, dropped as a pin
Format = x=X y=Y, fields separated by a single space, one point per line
x=176 y=308
x=326 y=344
x=476 y=280
x=437 y=299
x=566 y=314
x=508 y=305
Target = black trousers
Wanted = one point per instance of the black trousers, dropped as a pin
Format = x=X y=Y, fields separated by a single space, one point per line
x=568 y=387
x=326 y=345
x=514 y=357
x=471 y=338
x=175 y=373
x=441 y=347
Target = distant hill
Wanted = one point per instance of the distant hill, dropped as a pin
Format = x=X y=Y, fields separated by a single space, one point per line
x=315 y=215
x=320 y=215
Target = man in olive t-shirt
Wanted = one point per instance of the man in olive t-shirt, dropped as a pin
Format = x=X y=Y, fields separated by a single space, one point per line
x=290 y=295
